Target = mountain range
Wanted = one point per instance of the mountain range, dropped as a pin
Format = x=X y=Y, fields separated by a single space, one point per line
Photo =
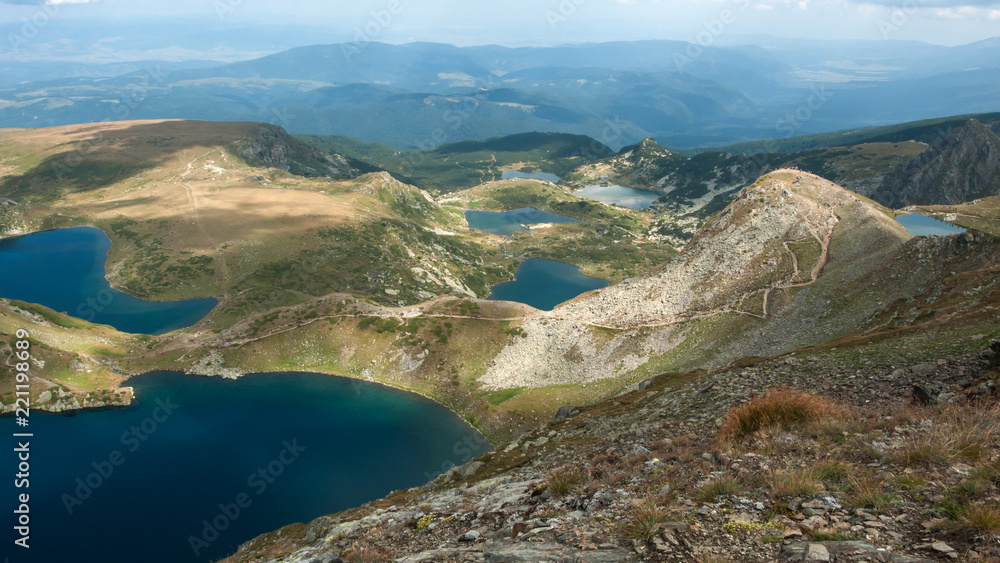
x=422 y=95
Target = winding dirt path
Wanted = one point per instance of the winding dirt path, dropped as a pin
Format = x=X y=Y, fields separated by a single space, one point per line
x=220 y=260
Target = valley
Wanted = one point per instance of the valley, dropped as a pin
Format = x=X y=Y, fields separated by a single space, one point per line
x=328 y=263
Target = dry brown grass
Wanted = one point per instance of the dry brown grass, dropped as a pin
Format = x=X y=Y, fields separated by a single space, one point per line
x=645 y=520
x=793 y=484
x=723 y=485
x=363 y=553
x=956 y=432
x=984 y=519
x=782 y=407
x=563 y=480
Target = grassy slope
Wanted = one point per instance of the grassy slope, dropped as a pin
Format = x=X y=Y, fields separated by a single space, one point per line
x=187 y=218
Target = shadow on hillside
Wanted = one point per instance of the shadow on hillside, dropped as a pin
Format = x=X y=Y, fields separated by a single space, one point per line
x=104 y=154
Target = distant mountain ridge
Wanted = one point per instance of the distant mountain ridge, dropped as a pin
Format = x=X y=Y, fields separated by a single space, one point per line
x=422 y=95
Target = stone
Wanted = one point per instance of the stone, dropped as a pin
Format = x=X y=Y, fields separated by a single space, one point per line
x=659 y=544
x=471 y=535
x=942 y=547
x=812 y=524
x=639 y=450
x=923 y=395
x=566 y=412
x=817 y=552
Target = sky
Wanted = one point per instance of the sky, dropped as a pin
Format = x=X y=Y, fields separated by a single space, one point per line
x=542 y=22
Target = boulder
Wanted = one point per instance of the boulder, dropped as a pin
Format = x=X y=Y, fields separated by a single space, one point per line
x=566 y=412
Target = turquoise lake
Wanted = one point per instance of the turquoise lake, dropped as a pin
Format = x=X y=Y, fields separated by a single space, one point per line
x=323 y=443
x=511 y=174
x=543 y=284
x=505 y=223
x=623 y=196
x=65 y=271
x=924 y=226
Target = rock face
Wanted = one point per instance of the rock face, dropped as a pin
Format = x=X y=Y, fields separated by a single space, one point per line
x=271 y=146
x=960 y=166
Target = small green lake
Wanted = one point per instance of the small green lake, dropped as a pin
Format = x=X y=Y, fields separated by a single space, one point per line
x=622 y=196
x=505 y=223
x=924 y=226
x=543 y=284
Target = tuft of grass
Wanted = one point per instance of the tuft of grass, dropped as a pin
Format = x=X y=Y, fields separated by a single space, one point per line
x=782 y=407
x=868 y=491
x=362 y=553
x=984 y=518
x=972 y=488
x=820 y=535
x=831 y=471
x=959 y=432
x=645 y=520
x=909 y=482
x=794 y=484
x=925 y=451
x=562 y=480
x=720 y=486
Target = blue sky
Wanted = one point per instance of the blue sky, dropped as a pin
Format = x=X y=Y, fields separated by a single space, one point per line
x=546 y=22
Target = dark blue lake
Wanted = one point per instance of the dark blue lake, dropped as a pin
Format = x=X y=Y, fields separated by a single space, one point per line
x=924 y=226
x=512 y=174
x=505 y=223
x=543 y=284
x=289 y=447
x=622 y=196
x=64 y=270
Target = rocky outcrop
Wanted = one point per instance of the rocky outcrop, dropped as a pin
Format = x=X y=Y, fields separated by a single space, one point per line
x=272 y=147
x=961 y=165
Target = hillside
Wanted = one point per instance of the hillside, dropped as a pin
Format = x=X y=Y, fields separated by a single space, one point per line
x=271 y=220
x=960 y=165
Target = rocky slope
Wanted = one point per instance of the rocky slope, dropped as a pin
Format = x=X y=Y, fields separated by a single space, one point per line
x=959 y=166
